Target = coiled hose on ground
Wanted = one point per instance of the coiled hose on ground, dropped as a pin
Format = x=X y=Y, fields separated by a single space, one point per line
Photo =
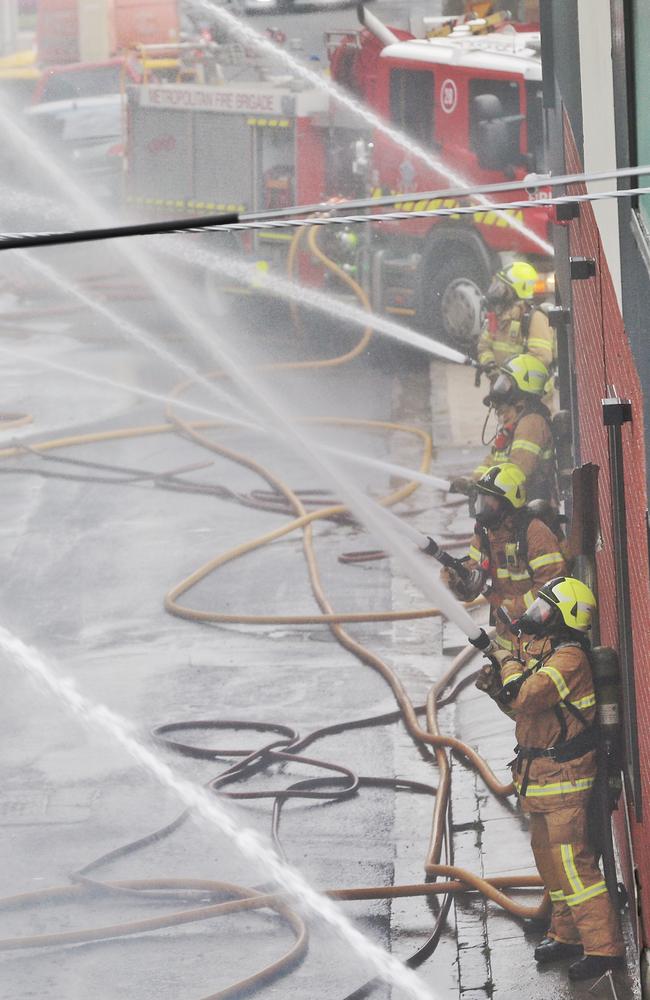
x=339 y=783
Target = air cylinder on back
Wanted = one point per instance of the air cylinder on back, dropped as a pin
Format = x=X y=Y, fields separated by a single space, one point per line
x=607 y=680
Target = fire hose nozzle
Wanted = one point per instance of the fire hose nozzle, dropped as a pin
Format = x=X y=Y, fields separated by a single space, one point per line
x=482 y=641
x=432 y=548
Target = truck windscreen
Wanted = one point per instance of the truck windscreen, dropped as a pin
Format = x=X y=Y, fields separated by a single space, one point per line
x=411 y=103
x=92 y=81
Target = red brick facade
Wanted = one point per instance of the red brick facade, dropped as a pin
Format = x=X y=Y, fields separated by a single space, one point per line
x=603 y=357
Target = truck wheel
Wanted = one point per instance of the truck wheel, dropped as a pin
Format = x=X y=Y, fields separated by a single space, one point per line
x=455 y=297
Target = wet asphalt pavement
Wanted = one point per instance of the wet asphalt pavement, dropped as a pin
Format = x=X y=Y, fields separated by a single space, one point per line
x=86 y=566
x=86 y=569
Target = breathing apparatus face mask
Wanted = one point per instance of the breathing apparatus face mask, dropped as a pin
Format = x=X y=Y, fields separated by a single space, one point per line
x=488 y=510
x=499 y=293
x=502 y=392
x=539 y=620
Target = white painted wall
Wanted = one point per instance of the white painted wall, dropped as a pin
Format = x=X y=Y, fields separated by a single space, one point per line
x=598 y=119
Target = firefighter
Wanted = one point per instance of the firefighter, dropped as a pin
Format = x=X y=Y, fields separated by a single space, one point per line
x=553 y=703
x=524 y=434
x=512 y=325
x=512 y=549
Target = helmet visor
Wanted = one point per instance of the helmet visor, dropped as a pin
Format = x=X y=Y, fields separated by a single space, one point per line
x=498 y=292
x=502 y=390
x=538 y=619
x=488 y=509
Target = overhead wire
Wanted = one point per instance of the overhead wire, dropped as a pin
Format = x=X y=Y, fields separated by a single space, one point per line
x=533 y=182
x=12 y=241
x=235 y=223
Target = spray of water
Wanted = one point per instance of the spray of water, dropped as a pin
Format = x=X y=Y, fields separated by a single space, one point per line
x=386 y=966
x=131 y=330
x=29 y=203
x=252 y=38
x=135 y=390
x=250 y=275
x=378 y=521
x=394 y=470
x=354 y=458
x=163 y=284
x=212 y=810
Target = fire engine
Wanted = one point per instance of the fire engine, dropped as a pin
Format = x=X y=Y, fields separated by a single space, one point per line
x=472 y=98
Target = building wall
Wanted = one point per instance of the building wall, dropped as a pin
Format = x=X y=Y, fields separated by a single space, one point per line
x=599 y=135
x=635 y=247
x=603 y=357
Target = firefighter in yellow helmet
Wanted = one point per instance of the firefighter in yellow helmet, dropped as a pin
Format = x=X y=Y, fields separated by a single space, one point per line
x=513 y=325
x=552 y=700
x=512 y=553
x=524 y=434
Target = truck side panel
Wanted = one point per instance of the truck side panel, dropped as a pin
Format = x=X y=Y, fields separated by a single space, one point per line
x=145 y=21
x=57 y=32
x=160 y=156
x=222 y=150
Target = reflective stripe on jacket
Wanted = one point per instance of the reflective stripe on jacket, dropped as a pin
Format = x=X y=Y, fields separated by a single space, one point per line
x=531 y=448
x=507 y=339
x=563 y=676
x=516 y=576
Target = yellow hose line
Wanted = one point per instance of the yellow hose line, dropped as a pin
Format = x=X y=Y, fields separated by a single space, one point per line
x=246 y=899
x=8 y=421
x=232 y=554
x=294 y=309
x=98 y=436
x=302 y=520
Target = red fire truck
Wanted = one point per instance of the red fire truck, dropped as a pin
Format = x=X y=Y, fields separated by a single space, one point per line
x=473 y=101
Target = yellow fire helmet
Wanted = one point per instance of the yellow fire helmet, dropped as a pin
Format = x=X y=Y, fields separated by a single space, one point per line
x=528 y=373
x=564 y=595
x=522 y=277
x=506 y=481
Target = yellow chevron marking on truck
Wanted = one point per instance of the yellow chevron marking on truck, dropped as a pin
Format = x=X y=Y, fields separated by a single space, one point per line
x=271 y=122
x=190 y=204
x=500 y=218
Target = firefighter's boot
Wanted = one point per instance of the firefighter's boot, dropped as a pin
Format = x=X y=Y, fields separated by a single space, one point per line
x=592 y=966
x=550 y=950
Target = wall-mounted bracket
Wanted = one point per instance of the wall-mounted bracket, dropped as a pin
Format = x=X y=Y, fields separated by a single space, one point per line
x=558 y=317
x=582 y=268
x=567 y=211
x=616 y=411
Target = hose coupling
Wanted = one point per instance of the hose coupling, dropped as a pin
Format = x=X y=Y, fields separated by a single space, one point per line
x=482 y=641
x=432 y=548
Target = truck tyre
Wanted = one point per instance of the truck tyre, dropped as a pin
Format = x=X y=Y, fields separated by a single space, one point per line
x=454 y=281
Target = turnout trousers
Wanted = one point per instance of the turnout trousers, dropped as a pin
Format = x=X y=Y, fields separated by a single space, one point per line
x=582 y=908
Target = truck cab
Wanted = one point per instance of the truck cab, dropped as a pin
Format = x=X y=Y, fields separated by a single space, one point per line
x=472 y=104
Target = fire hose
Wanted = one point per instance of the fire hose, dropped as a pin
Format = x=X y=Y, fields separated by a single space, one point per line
x=340 y=783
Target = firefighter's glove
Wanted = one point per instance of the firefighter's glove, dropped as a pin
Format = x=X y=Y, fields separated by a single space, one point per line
x=503 y=655
x=461 y=484
x=488 y=680
x=450 y=579
x=491 y=369
x=465 y=585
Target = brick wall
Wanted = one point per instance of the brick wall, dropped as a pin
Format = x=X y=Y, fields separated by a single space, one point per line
x=603 y=357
